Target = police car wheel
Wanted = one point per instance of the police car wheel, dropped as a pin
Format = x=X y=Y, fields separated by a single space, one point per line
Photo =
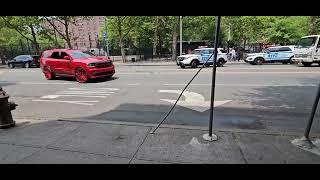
x=290 y=61
x=207 y=65
x=194 y=64
x=258 y=61
x=220 y=63
x=182 y=66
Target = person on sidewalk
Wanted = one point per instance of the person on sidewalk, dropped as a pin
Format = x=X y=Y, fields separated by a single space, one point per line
x=233 y=54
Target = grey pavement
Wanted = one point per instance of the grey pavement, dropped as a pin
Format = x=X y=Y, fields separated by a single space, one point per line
x=270 y=105
x=69 y=142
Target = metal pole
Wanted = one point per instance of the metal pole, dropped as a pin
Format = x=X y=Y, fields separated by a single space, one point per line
x=314 y=108
x=216 y=39
x=180 y=35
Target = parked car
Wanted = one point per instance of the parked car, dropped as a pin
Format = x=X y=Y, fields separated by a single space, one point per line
x=200 y=56
x=75 y=63
x=283 y=54
x=25 y=61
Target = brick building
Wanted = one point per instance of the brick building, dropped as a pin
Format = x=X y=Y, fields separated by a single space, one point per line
x=84 y=34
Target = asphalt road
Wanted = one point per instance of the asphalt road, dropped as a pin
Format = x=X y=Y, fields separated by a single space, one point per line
x=271 y=97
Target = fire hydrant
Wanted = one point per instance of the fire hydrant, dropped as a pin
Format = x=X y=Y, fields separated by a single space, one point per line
x=6 y=107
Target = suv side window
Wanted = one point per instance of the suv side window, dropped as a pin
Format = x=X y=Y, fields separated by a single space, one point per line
x=273 y=49
x=284 y=49
x=205 y=51
x=46 y=54
x=55 y=55
x=63 y=54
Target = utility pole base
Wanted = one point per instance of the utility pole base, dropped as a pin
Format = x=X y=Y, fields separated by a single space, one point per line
x=303 y=143
x=307 y=145
x=210 y=138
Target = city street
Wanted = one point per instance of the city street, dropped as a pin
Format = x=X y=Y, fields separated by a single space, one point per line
x=273 y=98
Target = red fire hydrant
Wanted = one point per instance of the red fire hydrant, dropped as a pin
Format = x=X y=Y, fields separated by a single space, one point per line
x=6 y=107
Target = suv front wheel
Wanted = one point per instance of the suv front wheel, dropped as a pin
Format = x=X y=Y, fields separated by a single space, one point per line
x=81 y=75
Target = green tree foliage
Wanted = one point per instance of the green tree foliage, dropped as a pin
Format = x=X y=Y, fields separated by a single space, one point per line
x=162 y=32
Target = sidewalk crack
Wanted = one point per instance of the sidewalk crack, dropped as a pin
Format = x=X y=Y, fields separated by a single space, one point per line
x=144 y=139
x=241 y=151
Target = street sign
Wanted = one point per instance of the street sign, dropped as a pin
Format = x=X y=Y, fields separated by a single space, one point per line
x=104 y=35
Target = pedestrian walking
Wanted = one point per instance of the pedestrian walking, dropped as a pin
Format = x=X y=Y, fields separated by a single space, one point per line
x=233 y=54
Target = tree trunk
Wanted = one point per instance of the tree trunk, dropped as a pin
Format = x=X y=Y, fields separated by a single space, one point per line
x=34 y=38
x=155 y=37
x=312 y=26
x=174 y=39
x=123 y=53
x=68 y=39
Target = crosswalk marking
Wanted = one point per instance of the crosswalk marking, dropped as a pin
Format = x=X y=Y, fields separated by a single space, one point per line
x=79 y=92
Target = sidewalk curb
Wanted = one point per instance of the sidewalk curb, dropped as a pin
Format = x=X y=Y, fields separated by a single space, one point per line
x=187 y=127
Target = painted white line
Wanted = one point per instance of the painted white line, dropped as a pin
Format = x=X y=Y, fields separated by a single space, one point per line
x=193 y=100
x=274 y=72
x=93 y=92
x=70 y=102
x=257 y=85
x=86 y=93
x=219 y=72
x=41 y=83
x=111 y=89
x=71 y=95
x=134 y=84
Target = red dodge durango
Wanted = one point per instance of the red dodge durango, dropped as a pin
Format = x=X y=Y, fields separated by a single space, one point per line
x=75 y=63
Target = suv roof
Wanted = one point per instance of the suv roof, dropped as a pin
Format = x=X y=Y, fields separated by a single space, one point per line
x=207 y=48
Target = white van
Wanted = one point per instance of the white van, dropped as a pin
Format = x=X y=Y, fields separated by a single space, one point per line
x=307 y=50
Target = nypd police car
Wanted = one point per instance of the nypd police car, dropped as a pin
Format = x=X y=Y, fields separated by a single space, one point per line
x=200 y=56
x=282 y=54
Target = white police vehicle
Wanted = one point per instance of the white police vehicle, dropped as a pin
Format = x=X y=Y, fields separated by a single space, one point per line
x=282 y=54
x=200 y=56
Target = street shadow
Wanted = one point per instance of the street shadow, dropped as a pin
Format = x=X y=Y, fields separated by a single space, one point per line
x=153 y=114
x=97 y=80
x=293 y=103
x=4 y=83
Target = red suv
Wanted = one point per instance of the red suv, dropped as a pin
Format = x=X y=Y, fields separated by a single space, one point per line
x=75 y=63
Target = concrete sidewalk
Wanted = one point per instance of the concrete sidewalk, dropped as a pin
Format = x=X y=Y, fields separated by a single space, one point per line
x=63 y=141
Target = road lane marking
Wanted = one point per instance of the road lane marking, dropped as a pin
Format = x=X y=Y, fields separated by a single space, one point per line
x=111 y=89
x=41 y=83
x=79 y=92
x=257 y=85
x=134 y=84
x=84 y=92
x=194 y=101
x=54 y=96
x=70 y=102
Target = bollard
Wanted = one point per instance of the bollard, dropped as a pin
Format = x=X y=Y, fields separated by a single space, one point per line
x=6 y=107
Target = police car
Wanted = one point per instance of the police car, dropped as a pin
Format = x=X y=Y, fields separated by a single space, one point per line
x=282 y=54
x=200 y=56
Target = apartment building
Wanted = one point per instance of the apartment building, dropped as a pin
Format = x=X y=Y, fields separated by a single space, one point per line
x=84 y=34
